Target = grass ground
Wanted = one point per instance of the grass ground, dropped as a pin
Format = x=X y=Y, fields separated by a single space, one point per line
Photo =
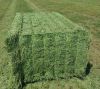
x=82 y=12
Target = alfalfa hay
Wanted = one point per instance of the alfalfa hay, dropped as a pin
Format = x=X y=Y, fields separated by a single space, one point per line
x=49 y=47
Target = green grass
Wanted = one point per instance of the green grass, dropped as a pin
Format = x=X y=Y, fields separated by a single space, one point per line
x=22 y=6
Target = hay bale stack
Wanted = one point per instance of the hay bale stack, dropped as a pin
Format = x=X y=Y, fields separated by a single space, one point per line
x=49 y=47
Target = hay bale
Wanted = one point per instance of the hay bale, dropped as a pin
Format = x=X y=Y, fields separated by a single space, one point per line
x=50 y=47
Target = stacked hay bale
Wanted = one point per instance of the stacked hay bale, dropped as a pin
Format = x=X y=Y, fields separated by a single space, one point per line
x=47 y=46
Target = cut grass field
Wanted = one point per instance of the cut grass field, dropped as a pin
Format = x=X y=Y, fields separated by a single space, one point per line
x=83 y=12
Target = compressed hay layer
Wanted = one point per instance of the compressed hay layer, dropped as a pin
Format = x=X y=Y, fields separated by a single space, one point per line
x=49 y=47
